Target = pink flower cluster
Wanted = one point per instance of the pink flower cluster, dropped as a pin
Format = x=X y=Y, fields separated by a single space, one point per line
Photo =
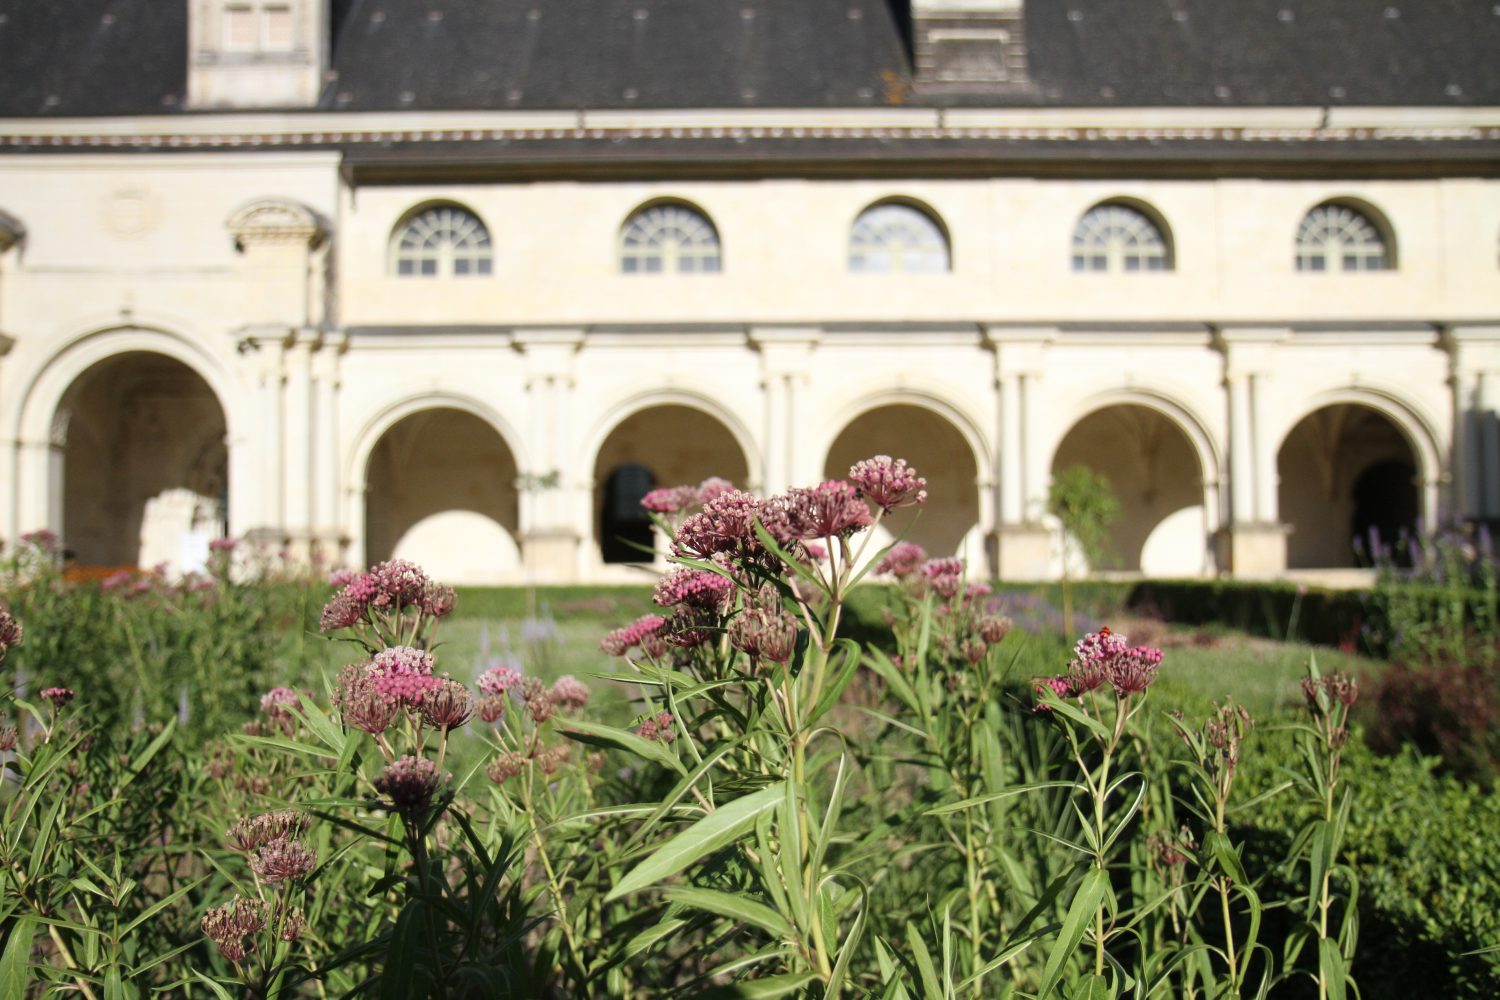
x=646 y=632
x=828 y=510
x=499 y=680
x=276 y=701
x=230 y=925
x=725 y=524
x=10 y=632
x=888 y=483
x=276 y=855
x=697 y=588
x=409 y=783
x=679 y=499
x=402 y=675
x=570 y=693
x=58 y=696
x=902 y=560
x=1103 y=657
x=394 y=585
x=660 y=727
x=944 y=576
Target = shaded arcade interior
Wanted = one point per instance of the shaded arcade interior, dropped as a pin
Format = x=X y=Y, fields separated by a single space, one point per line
x=1348 y=482
x=1158 y=480
x=140 y=450
x=441 y=491
x=666 y=445
x=948 y=523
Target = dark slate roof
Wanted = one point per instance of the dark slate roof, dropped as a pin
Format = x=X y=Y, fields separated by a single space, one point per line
x=107 y=57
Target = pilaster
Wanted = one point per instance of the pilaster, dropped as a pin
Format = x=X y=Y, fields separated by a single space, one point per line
x=786 y=360
x=1474 y=384
x=1022 y=544
x=1253 y=540
x=555 y=498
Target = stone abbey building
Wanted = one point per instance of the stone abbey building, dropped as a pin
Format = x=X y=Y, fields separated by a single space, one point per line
x=458 y=279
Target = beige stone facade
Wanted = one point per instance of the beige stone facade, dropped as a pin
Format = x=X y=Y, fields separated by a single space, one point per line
x=221 y=340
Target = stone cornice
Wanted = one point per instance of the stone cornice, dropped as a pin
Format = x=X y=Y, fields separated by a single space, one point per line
x=1058 y=126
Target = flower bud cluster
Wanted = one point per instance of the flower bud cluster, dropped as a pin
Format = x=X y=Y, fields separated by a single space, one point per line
x=888 y=483
x=410 y=783
x=10 y=632
x=389 y=588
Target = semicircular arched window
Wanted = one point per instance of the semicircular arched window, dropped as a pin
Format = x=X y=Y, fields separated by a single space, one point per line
x=1339 y=237
x=1115 y=237
x=669 y=237
x=444 y=241
x=896 y=238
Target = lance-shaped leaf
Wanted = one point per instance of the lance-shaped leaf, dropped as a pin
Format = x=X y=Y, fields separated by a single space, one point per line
x=719 y=828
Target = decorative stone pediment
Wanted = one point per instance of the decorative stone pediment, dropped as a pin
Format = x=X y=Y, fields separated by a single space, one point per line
x=11 y=231
x=275 y=220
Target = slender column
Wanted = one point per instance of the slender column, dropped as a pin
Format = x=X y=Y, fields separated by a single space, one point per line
x=1241 y=451
x=776 y=472
x=1263 y=446
x=1488 y=464
x=297 y=435
x=327 y=462
x=1012 y=469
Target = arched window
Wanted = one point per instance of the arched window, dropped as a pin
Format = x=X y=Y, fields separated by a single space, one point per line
x=443 y=241
x=1339 y=237
x=1115 y=237
x=894 y=237
x=669 y=237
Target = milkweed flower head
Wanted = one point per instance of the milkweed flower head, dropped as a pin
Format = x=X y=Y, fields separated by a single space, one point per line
x=283 y=860
x=403 y=675
x=636 y=633
x=902 y=560
x=725 y=524
x=1105 y=657
x=499 y=680
x=945 y=576
x=10 y=632
x=570 y=693
x=448 y=706
x=888 y=483
x=830 y=509
x=671 y=499
x=230 y=925
x=58 y=697
x=697 y=588
x=410 y=783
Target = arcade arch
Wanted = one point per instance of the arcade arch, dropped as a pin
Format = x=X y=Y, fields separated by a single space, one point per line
x=441 y=491
x=948 y=523
x=661 y=445
x=1346 y=472
x=1158 y=478
x=141 y=439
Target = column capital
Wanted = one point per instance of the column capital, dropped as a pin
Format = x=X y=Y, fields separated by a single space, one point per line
x=1019 y=350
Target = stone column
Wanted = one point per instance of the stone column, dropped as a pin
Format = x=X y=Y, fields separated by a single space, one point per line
x=11 y=232
x=1022 y=545
x=327 y=522
x=1253 y=544
x=298 y=428
x=786 y=354
x=1474 y=380
x=555 y=498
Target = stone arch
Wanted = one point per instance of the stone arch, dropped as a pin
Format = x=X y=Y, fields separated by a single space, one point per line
x=1325 y=494
x=943 y=448
x=440 y=489
x=645 y=446
x=1163 y=467
x=139 y=451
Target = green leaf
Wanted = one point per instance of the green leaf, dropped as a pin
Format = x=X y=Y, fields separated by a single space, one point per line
x=596 y=734
x=761 y=989
x=15 y=963
x=999 y=960
x=740 y=908
x=398 y=980
x=1331 y=971
x=652 y=935
x=719 y=828
x=931 y=985
x=1092 y=987
x=841 y=679
x=1080 y=914
x=218 y=990
x=981 y=800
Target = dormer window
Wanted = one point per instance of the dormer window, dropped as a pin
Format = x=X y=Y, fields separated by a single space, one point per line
x=258 y=27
